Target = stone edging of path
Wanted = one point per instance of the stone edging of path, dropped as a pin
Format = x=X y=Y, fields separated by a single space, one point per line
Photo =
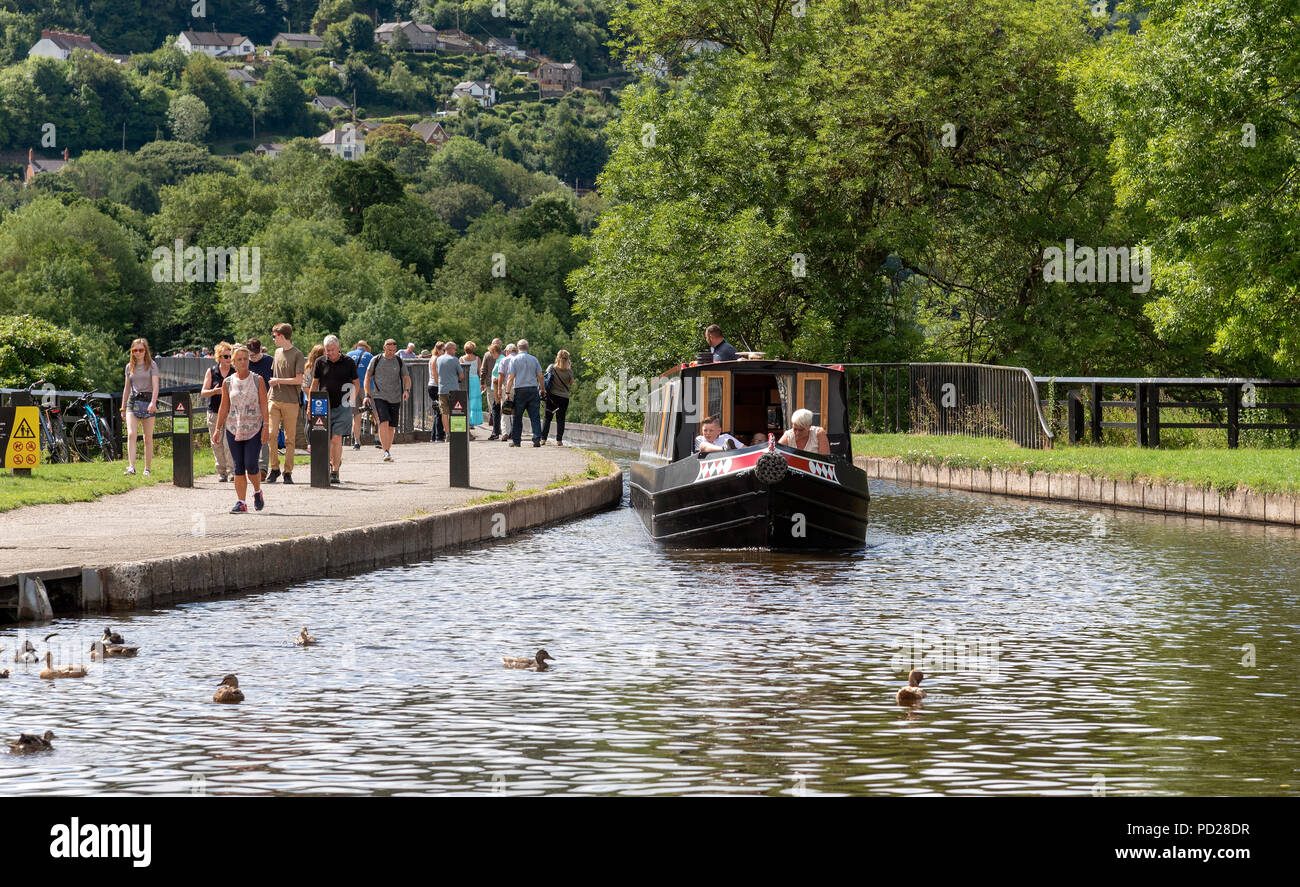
x=190 y=577
x=1186 y=499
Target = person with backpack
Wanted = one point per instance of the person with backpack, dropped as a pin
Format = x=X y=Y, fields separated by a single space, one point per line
x=361 y=356
x=559 y=384
x=213 y=382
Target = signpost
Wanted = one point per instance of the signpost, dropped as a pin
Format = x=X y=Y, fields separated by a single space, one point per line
x=20 y=441
x=318 y=436
x=458 y=426
x=182 y=442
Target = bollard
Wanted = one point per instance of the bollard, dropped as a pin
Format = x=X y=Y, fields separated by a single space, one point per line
x=182 y=442
x=318 y=436
x=458 y=439
x=20 y=445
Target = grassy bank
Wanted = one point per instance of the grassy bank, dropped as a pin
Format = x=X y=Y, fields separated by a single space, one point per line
x=1261 y=470
x=87 y=481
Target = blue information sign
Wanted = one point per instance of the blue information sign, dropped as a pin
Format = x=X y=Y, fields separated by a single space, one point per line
x=320 y=406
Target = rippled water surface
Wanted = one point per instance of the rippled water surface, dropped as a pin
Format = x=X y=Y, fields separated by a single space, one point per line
x=1071 y=653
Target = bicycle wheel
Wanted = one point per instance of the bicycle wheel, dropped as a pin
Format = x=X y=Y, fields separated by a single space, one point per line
x=108 y=450
x=59 y=446
x=86 y=443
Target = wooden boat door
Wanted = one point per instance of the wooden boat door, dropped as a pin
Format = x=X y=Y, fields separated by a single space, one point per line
x=812 y=393
x=716 y=396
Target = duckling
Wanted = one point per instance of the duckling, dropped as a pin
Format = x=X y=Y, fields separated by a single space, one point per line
x=538 y=662
x=26 y=653
x=4 y=672
x=912 y=693
x=49 y=672
x=112 y=637
x=101 y=650
x=229 y=690
x=304 y=639
x=27 y=743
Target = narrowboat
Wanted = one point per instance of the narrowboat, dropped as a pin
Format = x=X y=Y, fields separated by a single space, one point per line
x=762 y=495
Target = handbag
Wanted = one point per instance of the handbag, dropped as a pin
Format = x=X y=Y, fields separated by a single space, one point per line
x=508 y=408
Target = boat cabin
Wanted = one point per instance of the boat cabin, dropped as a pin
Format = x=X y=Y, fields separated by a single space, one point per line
x=750 y=397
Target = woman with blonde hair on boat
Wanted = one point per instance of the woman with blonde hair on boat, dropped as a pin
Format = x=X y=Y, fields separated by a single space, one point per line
x=804 y=435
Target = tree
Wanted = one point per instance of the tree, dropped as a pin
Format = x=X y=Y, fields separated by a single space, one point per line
x=1199 y=107
x=281 y=100
x=188 y=118
x=32 y=349
x=409 y=231
x=356 y=185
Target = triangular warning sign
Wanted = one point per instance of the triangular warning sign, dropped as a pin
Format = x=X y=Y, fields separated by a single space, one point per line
x=319 y=422
x=180 y=407
x=24 y=430
x=457 y=406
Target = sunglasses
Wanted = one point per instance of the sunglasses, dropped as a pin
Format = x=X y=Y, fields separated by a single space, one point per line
x=224 y=357
x=137 y=351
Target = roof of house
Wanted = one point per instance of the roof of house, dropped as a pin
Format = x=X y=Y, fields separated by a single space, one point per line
x=213 y=38
x=502 y=41
x=241 y=75
x=40 y=164
x=68 y=41
x=427 y=130
x=335 y=136
x=329 y=102
x=286 y=37
x=388 y=27
x=470 y=84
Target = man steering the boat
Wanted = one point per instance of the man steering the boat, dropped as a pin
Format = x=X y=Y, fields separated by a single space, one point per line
x=712 y=440
x=721 y=348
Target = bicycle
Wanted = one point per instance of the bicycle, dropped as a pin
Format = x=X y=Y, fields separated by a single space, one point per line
x=90 y=435
x=54 y=445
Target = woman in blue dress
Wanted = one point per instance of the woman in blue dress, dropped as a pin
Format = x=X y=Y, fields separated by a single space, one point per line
x=469 y=360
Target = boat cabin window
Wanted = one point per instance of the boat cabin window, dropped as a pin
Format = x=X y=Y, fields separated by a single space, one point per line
x=813 y=394
x=661 y=420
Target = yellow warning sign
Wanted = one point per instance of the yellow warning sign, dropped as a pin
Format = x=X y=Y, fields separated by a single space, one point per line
x=19 y=444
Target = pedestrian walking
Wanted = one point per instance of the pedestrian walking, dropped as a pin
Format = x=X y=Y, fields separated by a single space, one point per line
x=287 y=369
x=436 y=433
x=523 y=386
x=213 y=381
x=491 y=418
x=387 y=387
x=336 y=374
x=470 y=362
x=559 y=388
x=316 y=352
x=451 y=377
x=244 y=421
x=140 y=402
x=499 y=373
x=361 y=355
x=261 y=364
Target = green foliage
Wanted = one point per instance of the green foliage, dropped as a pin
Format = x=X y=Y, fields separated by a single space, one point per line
x=188 y=118
x=356 y=186
x=32 y=349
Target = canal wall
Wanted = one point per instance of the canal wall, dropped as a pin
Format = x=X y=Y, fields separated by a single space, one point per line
x=1184 y=499
x=180 y=578
x=601 y=436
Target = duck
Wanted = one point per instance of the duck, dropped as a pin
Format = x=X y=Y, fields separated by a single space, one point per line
x=228 y=691
x=112 y=637
x=537 y=662
x=304 y=639
x=102 y=650
x=27 y=743
x=49 y=672
x=912 y=693
x=4 y=672
x=26 y=653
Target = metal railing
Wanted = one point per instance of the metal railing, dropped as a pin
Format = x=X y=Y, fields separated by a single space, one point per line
x=108 y=405
x=1087 y=394
x=947 y=398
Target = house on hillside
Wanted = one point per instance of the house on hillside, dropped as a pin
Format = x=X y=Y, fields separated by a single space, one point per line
x=346 y=141
x=269 y=149
x=37 y=165
x=296 y=41
x=421 y=37
x=60 y=44
x=480 y=91
x=454 y=40
x=431 y=133
x=330 y=103
x=558 y=78
x=242 y=77
x=505 y=47
x=214 y=43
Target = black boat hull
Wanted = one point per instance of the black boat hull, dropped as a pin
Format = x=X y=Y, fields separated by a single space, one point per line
x=681 y=505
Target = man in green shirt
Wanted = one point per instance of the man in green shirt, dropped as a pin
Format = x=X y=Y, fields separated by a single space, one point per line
x=285 y=388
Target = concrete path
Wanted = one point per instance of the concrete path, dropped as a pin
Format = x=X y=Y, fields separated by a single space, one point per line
x=151 y=522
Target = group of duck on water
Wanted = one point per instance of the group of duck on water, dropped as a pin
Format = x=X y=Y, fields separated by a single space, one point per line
x=112 y=646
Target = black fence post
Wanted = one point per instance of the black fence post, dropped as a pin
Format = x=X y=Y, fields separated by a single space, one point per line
x=1234 y=417
x=1140 y=405
x=1153 y=415
x=1075 y=398
x=1096 y=416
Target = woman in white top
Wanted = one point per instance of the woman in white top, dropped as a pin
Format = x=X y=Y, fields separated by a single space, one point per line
x=804 y=435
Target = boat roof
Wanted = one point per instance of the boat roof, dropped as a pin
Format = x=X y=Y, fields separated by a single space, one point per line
x=756 y=365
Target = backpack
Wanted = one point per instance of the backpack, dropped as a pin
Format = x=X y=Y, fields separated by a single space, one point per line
x=546 y=380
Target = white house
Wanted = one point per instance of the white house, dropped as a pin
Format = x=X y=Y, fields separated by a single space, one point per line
x=505 y=47
x=296 y=41
x=213 y=43
x=347 y=141
x=269 y=149
x=59 y=45
x=480 y=91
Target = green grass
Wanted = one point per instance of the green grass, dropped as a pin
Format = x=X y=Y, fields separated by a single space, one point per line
x=597 y=466
x=1260 y=470
x=87 y=481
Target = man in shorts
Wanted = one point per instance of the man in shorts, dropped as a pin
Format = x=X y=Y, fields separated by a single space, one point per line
x=388 y=386
x=451 y=377
x=336 y=374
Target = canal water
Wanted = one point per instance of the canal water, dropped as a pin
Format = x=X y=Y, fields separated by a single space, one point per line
x=1067 y=651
